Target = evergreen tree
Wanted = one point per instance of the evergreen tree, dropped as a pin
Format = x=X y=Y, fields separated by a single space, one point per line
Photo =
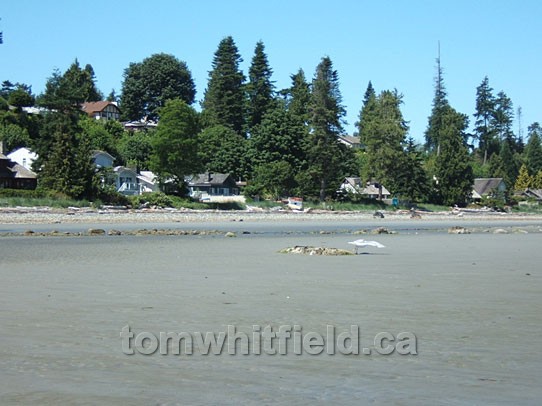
x=524 y=180
x=503 y=119
x=175 y=143
x=537 y=180
x=440 y=108
x=366 y=114
x=509 y=166
x=224 y=99
x=65 y=166
x=384 y=136
x=259 y=88
x=452 y=167
x=326 y=118
x=148 y=85
x=484 y=128
x=298 y=97
x=533 y=151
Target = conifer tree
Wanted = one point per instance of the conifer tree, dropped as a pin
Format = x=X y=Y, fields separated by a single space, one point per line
x=484 y=130
x=298 y=97
x=454 y=177
x=524 y=180
x=326 y=119
x=440 y=108
x=259 y=88
x=224 y=100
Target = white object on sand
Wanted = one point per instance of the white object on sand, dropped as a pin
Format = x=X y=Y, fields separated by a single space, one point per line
x=363 y=243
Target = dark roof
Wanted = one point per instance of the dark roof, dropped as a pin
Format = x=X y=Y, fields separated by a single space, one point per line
x=210 y=179
x=484 y=186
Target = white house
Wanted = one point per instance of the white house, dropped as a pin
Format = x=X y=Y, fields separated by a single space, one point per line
x=373 y=190
x=147 y=182
x=126 y=181
x=24 y=157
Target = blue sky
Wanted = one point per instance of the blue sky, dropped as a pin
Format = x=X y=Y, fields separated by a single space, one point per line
x=392 y=43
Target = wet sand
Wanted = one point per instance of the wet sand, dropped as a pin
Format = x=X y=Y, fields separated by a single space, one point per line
x=473 y=301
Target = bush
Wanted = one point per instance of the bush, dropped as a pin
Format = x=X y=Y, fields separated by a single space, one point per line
x=152 y=199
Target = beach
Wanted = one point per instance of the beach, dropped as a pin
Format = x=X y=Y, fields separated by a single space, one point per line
x=472 y=301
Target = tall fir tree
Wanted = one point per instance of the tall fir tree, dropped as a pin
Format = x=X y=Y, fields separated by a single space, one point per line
x=439 y=109
x=326 y=120
x=367 y=109
x=260 y=87
x=454 y=176
x=503 y=119
x=484 y=129
x=224 y=100
x=299 y=96
x=385 y=139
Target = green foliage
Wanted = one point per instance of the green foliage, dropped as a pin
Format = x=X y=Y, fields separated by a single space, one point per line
x=135 y=149
x=439 y=109
x=272 y=180
x=326 y=118
x=524 y=180
x=64 y=92
x=259 y=88
x=537 y=180
x=175 y=143
x=20 y=98
x=222 y=150
x=533 y=151
x=484 y=130
x=224 y=101
x=298 y=98
x=152 y=199
x=452 y=166
x=13 y=137
x=148 y=85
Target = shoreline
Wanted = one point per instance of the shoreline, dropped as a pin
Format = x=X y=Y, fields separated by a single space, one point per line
x=47 y=215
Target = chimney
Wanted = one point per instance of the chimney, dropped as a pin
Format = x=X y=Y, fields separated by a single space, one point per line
x=1 y=146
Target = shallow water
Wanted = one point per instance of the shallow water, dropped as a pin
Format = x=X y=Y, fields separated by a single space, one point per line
x=473 y=302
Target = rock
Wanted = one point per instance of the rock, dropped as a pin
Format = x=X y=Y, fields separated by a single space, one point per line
x=382 y=230
x=230 y=234
x=458 y=230
x=96 y=231
x=29 y=232
x=114 y=232
x=378 y=214
x=500 y=231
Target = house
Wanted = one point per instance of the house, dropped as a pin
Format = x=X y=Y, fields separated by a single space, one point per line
x=147 y=182
x=213 y=187
x=142 y=125
x=372 y=190
x=488 y=188
x=102 y=159
x=14 y=175
x=102 y=110
x=350 y=141
x=530 y=193
x=24 y=157
x=126 y=181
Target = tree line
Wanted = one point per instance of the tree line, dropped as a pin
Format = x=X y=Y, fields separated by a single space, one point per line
x=281 y=141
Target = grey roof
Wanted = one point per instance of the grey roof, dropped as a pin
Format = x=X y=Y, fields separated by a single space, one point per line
x=22 y=172
x=484 y=186
x=208 y=179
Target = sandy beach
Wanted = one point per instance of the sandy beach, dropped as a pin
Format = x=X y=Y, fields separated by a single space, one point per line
x=472 y=300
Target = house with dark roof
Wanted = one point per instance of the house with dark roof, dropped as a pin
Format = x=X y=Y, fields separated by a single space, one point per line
x=15 y=176
x=210 y=187
x=102 y=110
x=484 y=188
